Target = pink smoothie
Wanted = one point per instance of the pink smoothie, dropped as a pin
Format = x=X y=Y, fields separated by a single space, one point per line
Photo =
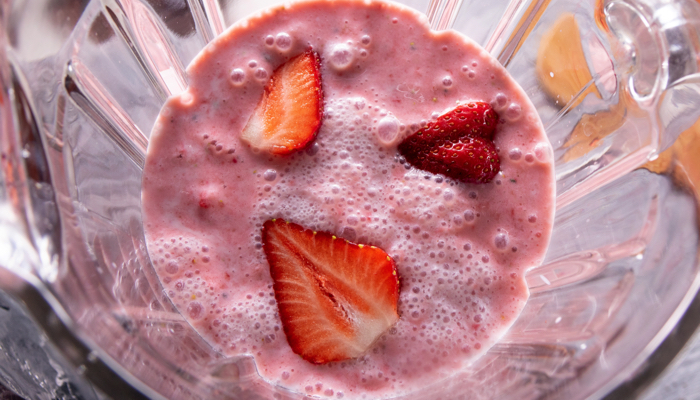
x=461 y=249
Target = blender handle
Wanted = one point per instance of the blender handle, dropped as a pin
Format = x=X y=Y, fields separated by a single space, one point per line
x=654 y=48
x=646 y=57
x=666 y=32
x=656 y=42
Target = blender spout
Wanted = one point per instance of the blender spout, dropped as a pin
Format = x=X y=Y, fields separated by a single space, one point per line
x=655 y=43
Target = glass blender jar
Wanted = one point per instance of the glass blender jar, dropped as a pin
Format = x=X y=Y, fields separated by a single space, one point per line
x=616 y=86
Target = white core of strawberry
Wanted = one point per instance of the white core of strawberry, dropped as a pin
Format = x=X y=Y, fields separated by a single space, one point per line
x=253 y=133
x=370 y=329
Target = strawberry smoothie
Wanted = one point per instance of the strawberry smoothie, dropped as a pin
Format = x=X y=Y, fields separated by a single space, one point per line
x=461 y=250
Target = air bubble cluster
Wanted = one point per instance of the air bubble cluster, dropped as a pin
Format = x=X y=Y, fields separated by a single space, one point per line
x=354 y=187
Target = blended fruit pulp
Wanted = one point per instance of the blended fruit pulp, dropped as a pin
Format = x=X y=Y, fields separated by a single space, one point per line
x=461 y=249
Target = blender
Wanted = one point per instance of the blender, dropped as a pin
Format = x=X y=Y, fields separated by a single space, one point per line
x=616 y=86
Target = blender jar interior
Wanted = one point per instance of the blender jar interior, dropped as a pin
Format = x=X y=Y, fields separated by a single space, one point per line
x=83 y=84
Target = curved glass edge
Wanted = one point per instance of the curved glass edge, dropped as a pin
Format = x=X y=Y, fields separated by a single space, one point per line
x=88 y=368
x=671 y=349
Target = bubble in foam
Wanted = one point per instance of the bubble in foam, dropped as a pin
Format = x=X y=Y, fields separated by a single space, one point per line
x=283 y=41
x=341 y=56
x=237 y=76
x=515 y=154
x=252 y=63
x=500 y=101
x=365 y=40
x=501 y=240
x=269 y=40
x=543 y=152
x=513 y=112
x=469 y=215
x=447 y=81
x=388 y=129
x=313 y=149
x=532 y=218
x=195 y=310
x=186 y=98
x=270 y=175
x=171 y=267
x=261 y=74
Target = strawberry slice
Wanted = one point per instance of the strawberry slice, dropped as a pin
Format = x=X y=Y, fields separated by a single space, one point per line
x=335 y=298
x=289 y=114
x=459 y=144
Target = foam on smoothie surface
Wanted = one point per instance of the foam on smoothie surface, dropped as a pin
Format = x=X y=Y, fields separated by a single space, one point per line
x=461 y=250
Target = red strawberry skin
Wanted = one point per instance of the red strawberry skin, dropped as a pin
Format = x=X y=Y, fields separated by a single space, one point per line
x=289 y=114
x=470 y=159
x=335 y=298
x=470 y=119
x=459 y=144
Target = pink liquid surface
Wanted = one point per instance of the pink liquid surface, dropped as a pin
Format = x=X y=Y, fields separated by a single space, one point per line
x=461 y=249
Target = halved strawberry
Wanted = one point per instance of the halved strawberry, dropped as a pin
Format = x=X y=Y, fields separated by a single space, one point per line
x=289 y=114
x=335 y=298
x=475 y=118
x=470 y=159
x=458 y=145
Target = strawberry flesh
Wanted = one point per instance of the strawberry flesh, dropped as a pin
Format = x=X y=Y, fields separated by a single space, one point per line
x=289 y=114
x=335 y=298
x=459 y=144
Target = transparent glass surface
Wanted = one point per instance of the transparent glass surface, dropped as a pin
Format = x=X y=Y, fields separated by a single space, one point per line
x=615 y=83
